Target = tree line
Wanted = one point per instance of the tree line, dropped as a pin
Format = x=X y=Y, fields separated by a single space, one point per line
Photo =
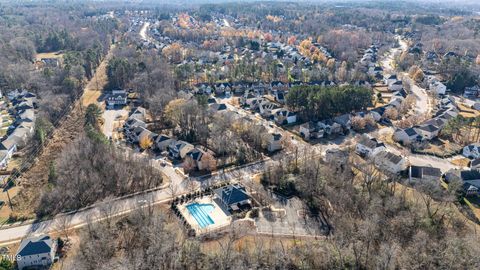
x=316 y=102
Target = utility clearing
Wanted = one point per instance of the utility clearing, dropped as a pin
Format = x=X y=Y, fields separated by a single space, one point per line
x=69 y=129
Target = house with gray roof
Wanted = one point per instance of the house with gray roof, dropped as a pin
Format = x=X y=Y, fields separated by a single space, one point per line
x=36 y=253
x=419 y=173
x=428 y=131
x=390 y=162
x=472 y=151
x=179 y=149
x=368 y=146
x=470 y=180
x=407 y=136
x=233 y=197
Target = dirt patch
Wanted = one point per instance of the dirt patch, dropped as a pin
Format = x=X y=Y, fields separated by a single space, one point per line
x=462 y=162
x=250 y=243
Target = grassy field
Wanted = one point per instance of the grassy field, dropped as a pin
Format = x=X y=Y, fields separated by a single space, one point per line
x=462 y=162
x=467 y=112
x=93 y=89
x=57 y=55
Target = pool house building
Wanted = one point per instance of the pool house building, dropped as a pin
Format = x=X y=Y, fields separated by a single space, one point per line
x=233 y=197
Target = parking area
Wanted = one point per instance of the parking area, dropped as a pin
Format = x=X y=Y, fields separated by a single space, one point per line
x=112 y=120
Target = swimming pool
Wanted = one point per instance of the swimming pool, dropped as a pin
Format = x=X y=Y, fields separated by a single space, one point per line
x=200 y=213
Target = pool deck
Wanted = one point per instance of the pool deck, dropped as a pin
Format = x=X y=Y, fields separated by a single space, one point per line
x=220 y=218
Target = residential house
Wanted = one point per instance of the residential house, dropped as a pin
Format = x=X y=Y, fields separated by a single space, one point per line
x=280 y=96
x=375 y=71
x=139 y=113
x=10 y=146
x=146 y=135
x=428 y=131
x=336 y=156
x=223 y=88
x=402 y=93
x=395 y=86
x=368 y=146
x=232 y=197
x=50 y=62
x=471 y=151
x=431 y=56
x=471 y=92
x=475 y=164
x=133 y=134
x=267 y=109
x=274 y=142
x=4 y=159
x=390 y=162
x=36 y=253
x=436 y=121
x=438 y=88
x=407 y=136
x=470 y=180
x=390 y=79
x=278 y=86
x=179 y=149
x=284 y=116
x=203 y=88
x=395 y=102
x=200 y=159
x=419 y=173
x=217 y=107
x=132 y=123
x=311 y=130
x=344 y=121
x=162 y=142
x=117 y=98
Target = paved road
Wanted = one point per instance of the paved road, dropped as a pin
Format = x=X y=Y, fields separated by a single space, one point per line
x=143 y=31
x=423 y=106
x=388 y=61
x=101 y=210
x=181 y=184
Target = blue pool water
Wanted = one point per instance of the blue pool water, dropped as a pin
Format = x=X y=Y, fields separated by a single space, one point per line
x=200 y=213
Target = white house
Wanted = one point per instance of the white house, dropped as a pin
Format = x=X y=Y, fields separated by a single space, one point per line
x=116 y=98
x=406 y=136
x=368 y=146
x=390 y=162
x=284 y=116
x=428 y=131
x=4 y=158
x=37 y=252
x=274 y=142
x=472 y=151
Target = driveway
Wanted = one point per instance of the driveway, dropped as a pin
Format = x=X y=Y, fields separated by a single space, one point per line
x=110 y=117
